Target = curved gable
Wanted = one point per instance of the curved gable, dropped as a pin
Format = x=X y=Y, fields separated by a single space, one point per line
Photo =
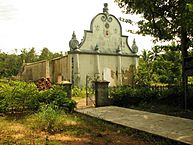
x=105 y=36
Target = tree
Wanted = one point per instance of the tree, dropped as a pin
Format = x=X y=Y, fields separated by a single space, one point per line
x=9 y=64
x=32 y=56
x=144 y=74
x=165 y=20
x=29 y=55
x=167 y=65
x=45 y=54
x=162 y=65
x=190 y=6
x=48 y=55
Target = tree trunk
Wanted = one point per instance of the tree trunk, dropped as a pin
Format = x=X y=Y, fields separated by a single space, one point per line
x=184 y=48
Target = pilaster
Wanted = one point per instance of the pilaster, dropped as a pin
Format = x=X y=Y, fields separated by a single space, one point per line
x=119 y=73
x=76 y=70
x=97 y=64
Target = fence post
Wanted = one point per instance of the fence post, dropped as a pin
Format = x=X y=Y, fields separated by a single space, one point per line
x=67 y=88
x=101 y=93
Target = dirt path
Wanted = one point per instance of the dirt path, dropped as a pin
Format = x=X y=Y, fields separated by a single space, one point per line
x=81 y=103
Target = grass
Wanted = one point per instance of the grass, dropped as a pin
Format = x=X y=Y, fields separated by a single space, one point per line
x=77 y=129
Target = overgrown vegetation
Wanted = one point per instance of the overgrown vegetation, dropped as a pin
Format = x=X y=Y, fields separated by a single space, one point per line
x=78 y=92
x=46 y=106
x=10 y=64
x=162 y=65
x=49 y=119
x=50 y=124
x=18 y=96
x=159 y=95
x=164 y=20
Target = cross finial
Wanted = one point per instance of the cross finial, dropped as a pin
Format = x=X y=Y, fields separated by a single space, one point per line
x=105 y=9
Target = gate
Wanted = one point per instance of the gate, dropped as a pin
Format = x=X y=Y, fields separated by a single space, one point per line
x=90 y=91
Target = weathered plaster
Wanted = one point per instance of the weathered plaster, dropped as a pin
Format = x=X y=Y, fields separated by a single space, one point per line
x=103 y=54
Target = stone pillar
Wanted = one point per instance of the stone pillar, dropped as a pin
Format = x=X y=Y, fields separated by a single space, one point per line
x=101 y=93
x=67 y=88
x=74 y=47
x=76 y=70
x=119 y=73
x=97 y=67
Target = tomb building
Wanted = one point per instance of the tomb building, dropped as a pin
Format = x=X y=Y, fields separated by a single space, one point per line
x=103 y=54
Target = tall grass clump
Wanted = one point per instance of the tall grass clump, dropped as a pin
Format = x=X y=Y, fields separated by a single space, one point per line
x=49 y=119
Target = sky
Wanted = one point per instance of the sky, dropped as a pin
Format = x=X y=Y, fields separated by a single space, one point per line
x=50 y=23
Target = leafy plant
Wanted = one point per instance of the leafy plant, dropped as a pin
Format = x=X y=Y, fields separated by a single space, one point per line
x=49 y=119
x=78 y=92
x=163 y=66
x=18 y=96
x=126 y=96
x=165 y=95
x=166 y=21
x=57 y=96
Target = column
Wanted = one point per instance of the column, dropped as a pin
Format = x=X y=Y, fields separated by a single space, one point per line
x=97 y=67
x=97 y=63
x=119 y=73
x=76 y=70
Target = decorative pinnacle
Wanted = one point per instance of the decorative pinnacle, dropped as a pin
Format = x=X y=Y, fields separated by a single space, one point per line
x=105 y=9
x=118 y=50
x=97 y=48
x=134 y=46
x=73 y=35
x=74 y=44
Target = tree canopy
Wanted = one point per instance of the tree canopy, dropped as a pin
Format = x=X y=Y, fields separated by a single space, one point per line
x=161 y=65
x=10 y=64
x=165 y=20
x=190 y=6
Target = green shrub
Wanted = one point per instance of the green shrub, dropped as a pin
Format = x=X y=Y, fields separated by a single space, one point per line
x=58 y=97
x=78 y=92
x=172 y=96
x=18 y=96
x=49 y=119
x=133 y=96
x=127 y=96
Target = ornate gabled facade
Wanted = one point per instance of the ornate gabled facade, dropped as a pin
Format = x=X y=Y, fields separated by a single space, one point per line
x=103 y=54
